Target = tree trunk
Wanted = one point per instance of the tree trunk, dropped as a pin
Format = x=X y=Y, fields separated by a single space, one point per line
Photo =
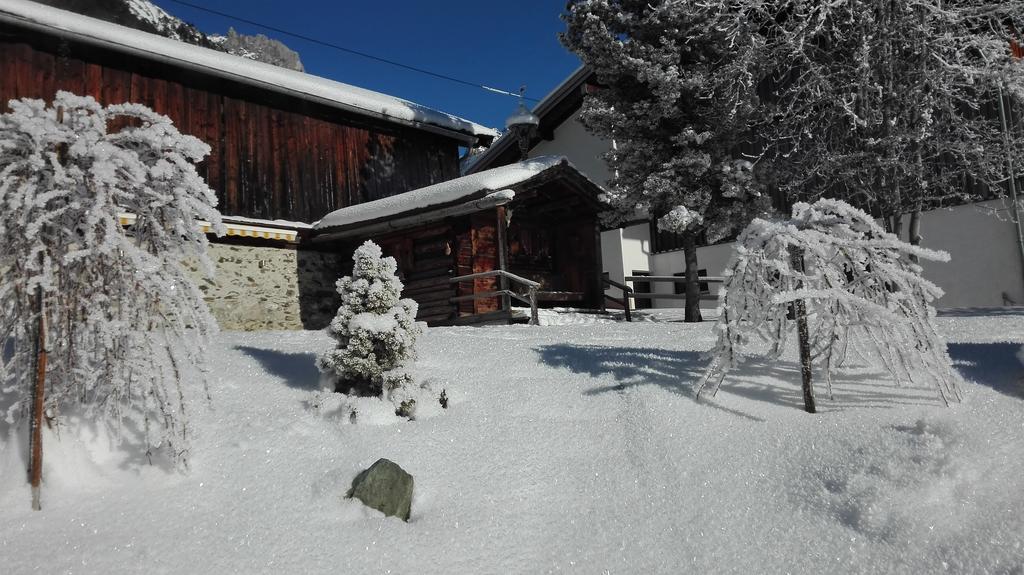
x=692 y=279
x=35 y=469
x=38 y=412
x=914 y=230
x=796 y=258
x=897 y=225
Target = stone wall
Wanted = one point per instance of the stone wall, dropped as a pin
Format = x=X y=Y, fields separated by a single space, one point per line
x=268 y=288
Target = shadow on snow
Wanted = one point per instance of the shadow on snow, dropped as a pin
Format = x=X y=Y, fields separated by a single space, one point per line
x=762 y=380
x=298 y=370
x=990 y=364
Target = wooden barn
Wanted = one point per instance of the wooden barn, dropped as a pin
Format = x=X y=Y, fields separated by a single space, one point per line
x=289 y=148
x=286 y=145
x=470 y=248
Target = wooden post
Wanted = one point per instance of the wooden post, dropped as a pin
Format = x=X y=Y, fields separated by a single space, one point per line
x=534 y=319
x=598 y=262
x=796 y=258
x=506 y=301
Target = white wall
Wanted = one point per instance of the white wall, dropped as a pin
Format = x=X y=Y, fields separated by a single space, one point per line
x=984 y=258
x=584 y=150
x=711 y=258
x=981 y=241
x=625 y=250
x=611 y=257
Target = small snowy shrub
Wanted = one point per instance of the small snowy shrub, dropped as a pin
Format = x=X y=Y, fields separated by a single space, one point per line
x=124 y=322
x=852 y=286
x=406 y=408
x=376 y=331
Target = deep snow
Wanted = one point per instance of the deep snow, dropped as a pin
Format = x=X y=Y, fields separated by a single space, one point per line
x=566 y=448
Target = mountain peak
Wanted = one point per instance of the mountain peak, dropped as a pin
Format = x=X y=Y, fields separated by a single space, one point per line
x=148 y=17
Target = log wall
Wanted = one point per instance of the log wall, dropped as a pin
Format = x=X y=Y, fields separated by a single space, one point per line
x=426 y=263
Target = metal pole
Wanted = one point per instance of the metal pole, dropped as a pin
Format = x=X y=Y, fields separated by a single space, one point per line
x=1012 y=178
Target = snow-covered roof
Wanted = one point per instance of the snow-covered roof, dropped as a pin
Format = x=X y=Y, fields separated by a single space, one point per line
x=267 y=76
x=445 y=193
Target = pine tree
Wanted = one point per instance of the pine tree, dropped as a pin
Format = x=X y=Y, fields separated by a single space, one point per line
x=375 y=330
x=890 y=106
x=106 y=315
x=676 y=129
x=845 y=285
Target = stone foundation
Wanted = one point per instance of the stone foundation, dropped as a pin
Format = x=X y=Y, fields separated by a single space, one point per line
x=269 y=288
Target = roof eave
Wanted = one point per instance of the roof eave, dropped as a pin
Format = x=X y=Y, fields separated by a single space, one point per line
x=479 y=201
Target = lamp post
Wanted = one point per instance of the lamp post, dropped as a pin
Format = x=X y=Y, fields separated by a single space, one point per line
x=523 y=125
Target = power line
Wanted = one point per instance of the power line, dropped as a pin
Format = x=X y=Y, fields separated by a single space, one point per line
x=352 y=51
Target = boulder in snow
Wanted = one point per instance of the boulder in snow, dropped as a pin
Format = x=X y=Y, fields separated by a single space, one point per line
x=385 y=487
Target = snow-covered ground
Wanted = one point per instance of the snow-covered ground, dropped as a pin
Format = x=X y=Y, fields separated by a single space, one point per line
x=571 y=447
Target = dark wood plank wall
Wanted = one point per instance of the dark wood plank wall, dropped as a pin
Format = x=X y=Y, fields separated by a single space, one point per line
x=272 y=156
x=426 y=263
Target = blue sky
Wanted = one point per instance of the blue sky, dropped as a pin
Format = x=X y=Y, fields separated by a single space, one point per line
x=500 y=43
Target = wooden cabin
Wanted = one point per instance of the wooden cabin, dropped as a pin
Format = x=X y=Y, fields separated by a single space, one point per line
x=536 y=220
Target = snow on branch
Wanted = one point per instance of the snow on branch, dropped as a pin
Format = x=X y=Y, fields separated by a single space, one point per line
x=126 y=324
x=374 y=328
x=860 y=286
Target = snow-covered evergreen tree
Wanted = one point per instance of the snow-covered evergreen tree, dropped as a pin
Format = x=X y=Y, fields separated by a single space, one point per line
x=676 y=128
x=890 y=106
x=125 y=324
x=376 y=331
x=844 y=284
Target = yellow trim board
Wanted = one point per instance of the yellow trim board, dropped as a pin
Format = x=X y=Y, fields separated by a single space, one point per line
x=241 y=230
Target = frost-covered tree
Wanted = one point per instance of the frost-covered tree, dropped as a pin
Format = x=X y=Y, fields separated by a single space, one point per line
x=844 y=284
x=113 y=307
x=676 y=128
x=375 y=330
x=890 y=105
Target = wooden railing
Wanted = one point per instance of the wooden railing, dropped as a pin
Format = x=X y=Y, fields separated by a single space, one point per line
x=673 y=279
x=530 y=299
x=626 y=294
x=629 y=293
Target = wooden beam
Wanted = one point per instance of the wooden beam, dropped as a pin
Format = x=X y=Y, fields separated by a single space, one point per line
x=500 y=213
x=598 y=263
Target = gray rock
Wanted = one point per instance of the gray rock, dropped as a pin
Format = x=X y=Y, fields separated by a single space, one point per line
x=385 y=487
